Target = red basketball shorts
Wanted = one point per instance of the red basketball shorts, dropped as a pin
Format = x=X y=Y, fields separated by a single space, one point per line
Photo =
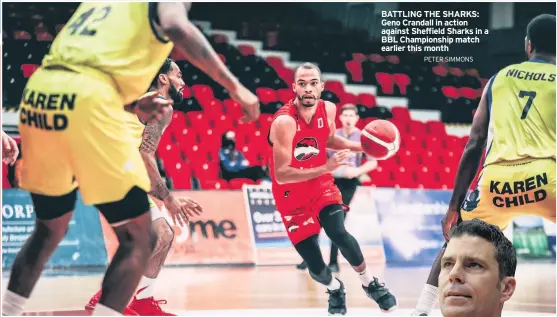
x=303 y=222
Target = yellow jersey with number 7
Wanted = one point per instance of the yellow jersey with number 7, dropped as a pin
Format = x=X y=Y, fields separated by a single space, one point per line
x=521 y=105
x=117 y=39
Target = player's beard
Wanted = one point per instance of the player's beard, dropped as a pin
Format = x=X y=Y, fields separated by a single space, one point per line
x=176 y=95
x=308 y=103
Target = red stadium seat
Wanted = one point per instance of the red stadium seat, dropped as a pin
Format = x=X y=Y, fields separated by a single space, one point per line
x=203 y=93
x=267 y=95
x=275 y=62
x=246 y=49
x=417 y=128
x=336 y=87
x=22 y=35
x=205 y=171
x=393 y=59
x=285 y=95
x=349 y=98
x=28 y=69
x=218 y=184
x=451 y=92
x=213 y=109
x=286 y=74
x=468 y=93
x=367 y=100
x=359 y=57
x=386 y=81
x=44 y=36
x=186 y=92
x=440 y=70
x=401 y=114
x=402 y=81
x=376 y=58
x=436 y=128
x=355 y=70
x=455 y=71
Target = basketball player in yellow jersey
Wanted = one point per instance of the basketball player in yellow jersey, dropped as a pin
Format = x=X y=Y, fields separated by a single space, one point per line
x=169 y=83
x=72 y=125
x=516 y=119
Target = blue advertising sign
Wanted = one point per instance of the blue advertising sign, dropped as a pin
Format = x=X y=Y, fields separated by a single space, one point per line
x=83 y=245
x=410 y=223
x=267 y=226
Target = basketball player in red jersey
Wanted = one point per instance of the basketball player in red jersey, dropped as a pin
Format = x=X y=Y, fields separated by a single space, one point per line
x=304 y=189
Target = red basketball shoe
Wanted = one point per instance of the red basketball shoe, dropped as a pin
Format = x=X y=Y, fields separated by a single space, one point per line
x=95 y=299
x=148 y=307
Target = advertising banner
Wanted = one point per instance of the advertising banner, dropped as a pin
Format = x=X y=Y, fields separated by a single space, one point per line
x=531 y=239
x=221 y=235
x=273 y=246
x=83 y=245
x=410 y=223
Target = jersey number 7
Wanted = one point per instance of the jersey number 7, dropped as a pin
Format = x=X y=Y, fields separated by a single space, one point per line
x=531 y=95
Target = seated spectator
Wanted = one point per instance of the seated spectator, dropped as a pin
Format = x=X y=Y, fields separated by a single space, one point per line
x=233 y=164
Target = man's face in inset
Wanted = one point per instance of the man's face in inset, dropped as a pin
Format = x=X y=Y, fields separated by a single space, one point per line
x=469 y=283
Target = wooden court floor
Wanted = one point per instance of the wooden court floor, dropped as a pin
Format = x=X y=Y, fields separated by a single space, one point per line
x=193 y=291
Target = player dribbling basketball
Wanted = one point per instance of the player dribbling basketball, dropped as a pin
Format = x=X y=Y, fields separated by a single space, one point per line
x=304 y=188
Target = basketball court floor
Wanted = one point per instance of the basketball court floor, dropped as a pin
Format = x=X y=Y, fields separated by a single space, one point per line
x=276 y=291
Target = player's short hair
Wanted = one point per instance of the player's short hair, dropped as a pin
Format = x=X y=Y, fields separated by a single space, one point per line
x=541 y=33
x=505 y=252
x=307 y=65
x=349 y=106
x=165 y=69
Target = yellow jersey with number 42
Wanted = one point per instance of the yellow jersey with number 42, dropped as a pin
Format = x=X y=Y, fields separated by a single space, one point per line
x=521 y=103
x=117 y=41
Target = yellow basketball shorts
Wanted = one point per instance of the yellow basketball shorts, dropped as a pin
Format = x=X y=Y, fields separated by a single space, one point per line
x=508 y=191
x=73 y=131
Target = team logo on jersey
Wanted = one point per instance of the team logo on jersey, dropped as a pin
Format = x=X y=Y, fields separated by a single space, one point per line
x=306 y=149
x=472 y=201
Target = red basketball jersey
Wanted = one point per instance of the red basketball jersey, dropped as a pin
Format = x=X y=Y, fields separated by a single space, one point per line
x=308 y=151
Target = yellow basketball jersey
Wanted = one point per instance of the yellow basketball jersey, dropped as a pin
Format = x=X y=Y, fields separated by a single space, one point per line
x=521 y=102
x=118 y=39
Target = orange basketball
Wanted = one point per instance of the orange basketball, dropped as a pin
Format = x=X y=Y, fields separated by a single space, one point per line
x=380 y=139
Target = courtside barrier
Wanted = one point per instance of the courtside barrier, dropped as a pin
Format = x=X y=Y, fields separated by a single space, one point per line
x=221 y=235
x=82 y=246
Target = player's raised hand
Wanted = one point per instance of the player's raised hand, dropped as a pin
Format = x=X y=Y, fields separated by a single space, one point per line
x=248 y=101
x=9 y=149
x=150 y=106
x=190 y=207
x=175 y=210
x=338 y=159
x=450 y=220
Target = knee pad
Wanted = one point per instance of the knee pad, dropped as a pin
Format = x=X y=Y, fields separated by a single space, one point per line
x=133 y=205
x=52 y=207
x=325 y=277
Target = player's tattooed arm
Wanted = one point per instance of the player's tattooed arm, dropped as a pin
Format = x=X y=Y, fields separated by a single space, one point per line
x=471 y=157
x=151 y=138
x=188 y=39
x=335 y=142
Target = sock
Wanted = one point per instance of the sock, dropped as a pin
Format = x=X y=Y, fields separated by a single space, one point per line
x=145 y=288
x=365 y=277
x=428 y=299
x=13 y=304
x=334 y=285
x=101 y=310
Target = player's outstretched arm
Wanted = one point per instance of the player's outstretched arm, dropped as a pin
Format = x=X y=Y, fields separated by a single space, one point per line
x=471 y=157
x=188 y=39
x=151 y=138
x=335 y=142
